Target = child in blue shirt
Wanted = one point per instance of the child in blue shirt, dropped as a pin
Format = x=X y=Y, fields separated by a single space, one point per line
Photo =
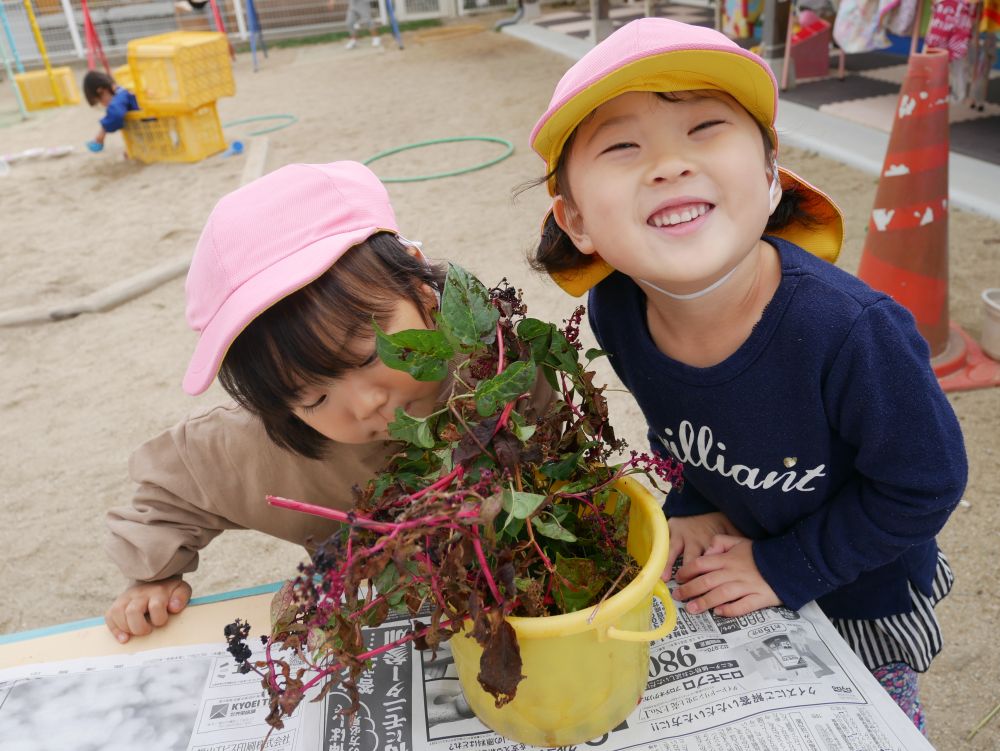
x=820 y=456
x=100 y=88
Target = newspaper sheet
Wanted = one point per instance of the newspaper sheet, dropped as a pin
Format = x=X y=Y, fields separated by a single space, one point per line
x=775 y=680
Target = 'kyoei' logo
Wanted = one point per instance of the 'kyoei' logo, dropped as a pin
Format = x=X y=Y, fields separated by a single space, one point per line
x=698 y=448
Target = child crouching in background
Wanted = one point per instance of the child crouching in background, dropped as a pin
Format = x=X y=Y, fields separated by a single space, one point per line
x=100 y=88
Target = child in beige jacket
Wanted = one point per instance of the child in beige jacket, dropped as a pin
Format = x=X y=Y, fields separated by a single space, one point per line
x=284 y=314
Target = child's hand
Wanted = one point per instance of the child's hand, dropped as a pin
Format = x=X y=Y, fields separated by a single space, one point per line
x=691 y=536
x=95 y=146
x=143 y=607
x=725 y=579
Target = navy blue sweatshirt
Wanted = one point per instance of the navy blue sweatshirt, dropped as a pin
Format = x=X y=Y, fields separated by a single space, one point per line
x=825 y=437
x=123 y=101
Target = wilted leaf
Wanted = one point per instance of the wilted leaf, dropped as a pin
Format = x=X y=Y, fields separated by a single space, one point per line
x=284 y=607
x=500 y=665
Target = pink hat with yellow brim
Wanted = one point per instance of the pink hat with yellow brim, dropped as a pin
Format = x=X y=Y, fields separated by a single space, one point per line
x=268 y=239
x=658 y=54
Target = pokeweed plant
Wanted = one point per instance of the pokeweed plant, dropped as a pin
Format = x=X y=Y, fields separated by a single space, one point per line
x=493 y=506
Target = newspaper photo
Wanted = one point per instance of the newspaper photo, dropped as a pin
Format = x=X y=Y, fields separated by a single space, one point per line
x=774 y=680
x=177 y=699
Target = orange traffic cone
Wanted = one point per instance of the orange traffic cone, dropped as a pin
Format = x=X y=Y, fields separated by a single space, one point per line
x=906 y=249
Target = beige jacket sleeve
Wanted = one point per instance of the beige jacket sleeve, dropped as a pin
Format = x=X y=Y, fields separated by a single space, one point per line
x=212 y=472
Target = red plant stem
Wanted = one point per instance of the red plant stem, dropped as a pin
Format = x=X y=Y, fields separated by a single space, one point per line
x=368 y=655
x=568 y=396
x=477 y=546
x=456 y=473
x=545 y=559
x=366 y=608
x=270 y=667
x=500 y=348
x=435 y=587
x=356 y=520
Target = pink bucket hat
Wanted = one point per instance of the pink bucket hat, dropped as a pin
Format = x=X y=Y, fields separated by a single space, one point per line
x=268 y=239
x=658 y=54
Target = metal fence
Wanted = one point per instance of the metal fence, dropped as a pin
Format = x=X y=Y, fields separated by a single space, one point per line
x=118 y=21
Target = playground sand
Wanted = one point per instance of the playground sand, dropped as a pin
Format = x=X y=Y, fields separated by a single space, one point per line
x=78 y=395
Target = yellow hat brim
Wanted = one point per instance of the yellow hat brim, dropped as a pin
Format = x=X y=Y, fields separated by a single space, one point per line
x=823 y=237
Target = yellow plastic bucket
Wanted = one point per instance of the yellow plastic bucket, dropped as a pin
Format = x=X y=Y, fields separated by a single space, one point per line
x=582 y=679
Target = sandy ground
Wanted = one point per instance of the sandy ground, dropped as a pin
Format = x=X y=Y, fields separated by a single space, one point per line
x=77 y=396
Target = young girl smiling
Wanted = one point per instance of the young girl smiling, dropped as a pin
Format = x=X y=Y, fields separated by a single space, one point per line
x=821 y=457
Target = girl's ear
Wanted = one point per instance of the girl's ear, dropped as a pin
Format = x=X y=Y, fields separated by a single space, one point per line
x=775 y=189
x=571 y=222
x=431 y=299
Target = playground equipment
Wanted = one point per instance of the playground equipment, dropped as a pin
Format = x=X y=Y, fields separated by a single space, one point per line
x=906 y=248
x=95 y=51
x=449 y=173
x=177 y=79
x=10 y=74
x=53 y=87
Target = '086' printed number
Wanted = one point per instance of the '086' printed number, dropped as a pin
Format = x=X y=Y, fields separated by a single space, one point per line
x=668 y=661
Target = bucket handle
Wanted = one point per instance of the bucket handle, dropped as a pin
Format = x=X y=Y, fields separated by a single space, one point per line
x=669 y=619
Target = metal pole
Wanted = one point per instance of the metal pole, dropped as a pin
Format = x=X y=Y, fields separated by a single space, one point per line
x=73 y=31
x=10 y=75
x=241 y=25
x=10 y=38
x=40 y=42
x=772 y=41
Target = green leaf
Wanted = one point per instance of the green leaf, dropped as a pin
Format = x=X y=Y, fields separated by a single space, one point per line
x=386 y=579
x=423 y=353
x=563 y=470
x=547 y=525
x=520 y=428
x=521 y=505
x=578 y=584
x=563 y=354
x=538 y=334
x=516 y=379
x=466 y=310
x=594 y=353
x=415 y=430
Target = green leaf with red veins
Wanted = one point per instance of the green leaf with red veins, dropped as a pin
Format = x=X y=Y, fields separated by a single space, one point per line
x=466 y=310
x=423 y=353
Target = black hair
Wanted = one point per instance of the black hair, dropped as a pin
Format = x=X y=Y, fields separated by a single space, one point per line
x=93 y=82
x=556 y=252
x=305 y=339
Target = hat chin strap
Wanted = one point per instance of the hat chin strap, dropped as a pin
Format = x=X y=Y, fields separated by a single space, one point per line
x=775 y=197
x=693 y=295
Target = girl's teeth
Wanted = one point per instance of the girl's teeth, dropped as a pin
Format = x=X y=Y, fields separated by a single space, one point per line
x=666 y=220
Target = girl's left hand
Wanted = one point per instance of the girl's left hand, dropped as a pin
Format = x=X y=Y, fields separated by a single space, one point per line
x=724 y=579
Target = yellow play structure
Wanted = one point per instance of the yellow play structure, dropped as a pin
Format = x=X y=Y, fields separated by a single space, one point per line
x=177 y=79
x=52 y=87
